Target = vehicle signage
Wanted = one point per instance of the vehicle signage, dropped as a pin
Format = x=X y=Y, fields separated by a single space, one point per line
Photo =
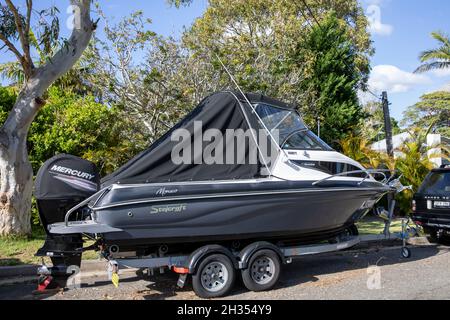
x=442 y=204
x=168 y=208
x=163 y=191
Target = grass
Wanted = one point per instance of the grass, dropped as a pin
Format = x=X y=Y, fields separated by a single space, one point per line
x=16 y=251
x=20 y=251
x=373 y=225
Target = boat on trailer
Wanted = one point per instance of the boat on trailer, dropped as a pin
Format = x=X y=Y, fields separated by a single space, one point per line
x=281 y=185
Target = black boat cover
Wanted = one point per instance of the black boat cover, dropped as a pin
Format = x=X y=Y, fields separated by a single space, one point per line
x=221 y=111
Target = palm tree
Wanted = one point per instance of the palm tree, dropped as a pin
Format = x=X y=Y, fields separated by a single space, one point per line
x=435 y=59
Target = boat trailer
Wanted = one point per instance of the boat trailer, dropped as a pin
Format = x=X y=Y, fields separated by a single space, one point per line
x=266 y=270
x=259 y=263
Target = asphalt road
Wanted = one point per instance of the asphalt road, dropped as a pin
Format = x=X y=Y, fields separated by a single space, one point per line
x=349 y=275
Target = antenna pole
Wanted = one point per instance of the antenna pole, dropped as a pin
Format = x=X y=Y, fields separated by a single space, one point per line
x=249 y=103
x=251 y=106
x=234 y=81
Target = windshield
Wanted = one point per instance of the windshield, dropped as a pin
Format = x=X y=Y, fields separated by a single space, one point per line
x=305 y=140
x=284 y=121
x=436 y=183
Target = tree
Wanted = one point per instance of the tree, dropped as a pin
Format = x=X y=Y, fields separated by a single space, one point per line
x=7 y=100
x=179 y=3
x=263 y=43
x=412 y=161
x=332 y=82
x=78 y=125
x=15 y=169
x=435 y=59
x=358 y=148
x=125 y=80
x=266 y=45
x=371 y=127
x=433 y=109
x=151 y=80
x=74 y=124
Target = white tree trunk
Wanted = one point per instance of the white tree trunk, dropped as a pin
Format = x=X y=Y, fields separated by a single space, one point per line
x=16 y=185
x=16 y=174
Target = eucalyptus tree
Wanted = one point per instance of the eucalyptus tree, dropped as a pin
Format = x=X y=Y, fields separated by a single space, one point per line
x=273 y=47
x=152 y=80
x=120 y=74
x=16 y=23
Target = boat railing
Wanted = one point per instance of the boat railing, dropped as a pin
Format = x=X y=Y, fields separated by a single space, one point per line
x=97 y=195
x=369 y=173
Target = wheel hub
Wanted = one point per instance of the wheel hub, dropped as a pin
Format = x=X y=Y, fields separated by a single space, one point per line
x=214 y=276
x=262 y=270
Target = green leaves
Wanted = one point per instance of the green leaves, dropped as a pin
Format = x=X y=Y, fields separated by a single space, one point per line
x=412 y=161
x=7 y=24
x=438 y=58
x=7 y=100
x=48 y=30
x=179 y=3
x=333 y=80
x=271 y=48
x=76 y=125
x=432 y=110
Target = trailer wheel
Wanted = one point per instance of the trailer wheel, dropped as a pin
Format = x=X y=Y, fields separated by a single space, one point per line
x=263 y=271
x=406 y=253
x=214 y=277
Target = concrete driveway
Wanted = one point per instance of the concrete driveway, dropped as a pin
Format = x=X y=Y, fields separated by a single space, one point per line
x=373 y=274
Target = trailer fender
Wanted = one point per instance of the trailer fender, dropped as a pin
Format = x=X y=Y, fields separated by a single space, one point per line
x=248 y=251
x=196 y=256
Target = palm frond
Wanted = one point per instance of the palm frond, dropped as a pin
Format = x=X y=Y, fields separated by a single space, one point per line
x=438 y=58
x=439 y=65
x=436 y=54
x=441 y=37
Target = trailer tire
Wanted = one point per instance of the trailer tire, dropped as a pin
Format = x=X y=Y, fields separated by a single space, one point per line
x=214 y=277
x=263 y=272
x=406 y=253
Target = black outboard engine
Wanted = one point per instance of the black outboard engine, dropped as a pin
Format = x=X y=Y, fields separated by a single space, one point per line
x=63 y=182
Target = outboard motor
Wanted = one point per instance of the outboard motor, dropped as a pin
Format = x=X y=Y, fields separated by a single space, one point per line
x=63 y=182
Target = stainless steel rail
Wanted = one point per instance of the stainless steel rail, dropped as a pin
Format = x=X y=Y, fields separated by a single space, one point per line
x=99 y=194
x=367 y=171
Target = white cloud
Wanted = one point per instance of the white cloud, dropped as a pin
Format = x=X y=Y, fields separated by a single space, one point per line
x=441 y=72
x=392 y=79
x=445 y=87
x=375 y=25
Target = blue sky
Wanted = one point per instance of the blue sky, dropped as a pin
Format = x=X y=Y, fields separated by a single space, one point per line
x=400 y=31
x=405 y=32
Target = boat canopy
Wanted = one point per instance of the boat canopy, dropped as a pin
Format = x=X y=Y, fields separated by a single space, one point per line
x=224 y=113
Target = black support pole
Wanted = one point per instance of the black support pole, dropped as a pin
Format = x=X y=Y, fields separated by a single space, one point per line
x=387 y=125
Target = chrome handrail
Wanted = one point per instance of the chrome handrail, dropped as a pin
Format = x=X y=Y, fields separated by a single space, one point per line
x=85 y=202
x=367 y=171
